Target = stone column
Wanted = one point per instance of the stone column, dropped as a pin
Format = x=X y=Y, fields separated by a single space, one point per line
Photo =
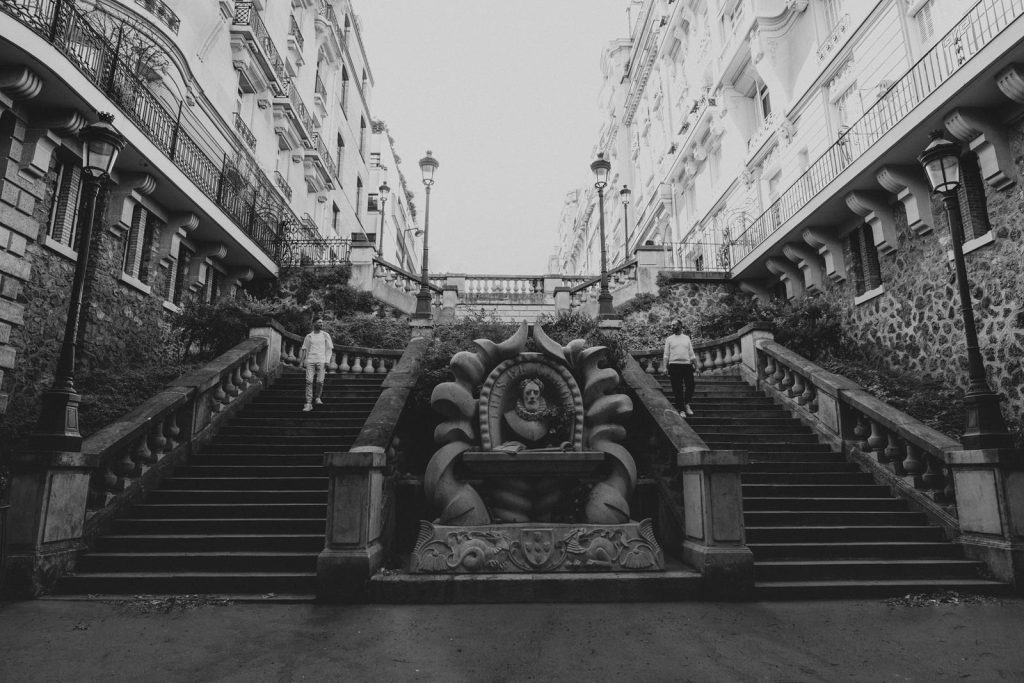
x=361 y=258
x=650 y=260
x=749 y=336
x=989 y=486
x=449 y=302
x=563 y=300
x=715 y=542
x=353 y=552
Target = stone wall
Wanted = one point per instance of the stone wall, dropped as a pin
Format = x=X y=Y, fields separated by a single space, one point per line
x=688 y=297
x=915 y=325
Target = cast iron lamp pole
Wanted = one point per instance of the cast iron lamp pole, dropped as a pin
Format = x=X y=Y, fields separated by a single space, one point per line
x=624 y=194
x=57 y=429
x=601 y=167
x=384 y=191
x=984 y=426
x=428 y=165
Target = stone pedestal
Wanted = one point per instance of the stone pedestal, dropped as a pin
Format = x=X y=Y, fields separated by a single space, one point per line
x=610 y=326
x=989 y=487
x=714 y=541
x=563 y=300
x=421 y=327
x=749 y=336
x=47 y=518
x=354 y=517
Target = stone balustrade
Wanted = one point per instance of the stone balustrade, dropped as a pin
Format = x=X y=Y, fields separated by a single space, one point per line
x=356 y=359
x=130 y=455
x=720 y=356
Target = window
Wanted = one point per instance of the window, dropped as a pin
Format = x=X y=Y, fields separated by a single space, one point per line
x=180 y=272
x=138 y=245
x=362 y=136
x=335 y=220
x=973 y=204
x=371 y=201
x=344 y=91
x=359 y=198
x=923 y=17
x=213 y=284
x=339 y=153
x=763 y=102
x=863 y=259
x=833 y=12
x=67 y=198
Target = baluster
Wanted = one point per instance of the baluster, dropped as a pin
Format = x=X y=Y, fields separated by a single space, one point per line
x=860 y=432
x=780 y=372
x=656 y=364
x=877 y=441
x=246 y=375
x=289 y=356
x=932 y=477
x=787 y=381
x=254 y=366
x=344 y=366
x=768 y=371
x=735 y=354
x=157 y=440
x=219 y=397
x=797 y=389
x=332 y=364
x=142 y=454
x=236 y=380
x=813 y=404
x=912 y=464
x=172 y=430
x=368 y=368
x=948 y=492
x=98 y=487
x=123 y=466
x=805 y=397
x=357 y=366
x=894 y=452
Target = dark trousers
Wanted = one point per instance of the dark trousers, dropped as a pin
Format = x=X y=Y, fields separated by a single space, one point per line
x=681 y=376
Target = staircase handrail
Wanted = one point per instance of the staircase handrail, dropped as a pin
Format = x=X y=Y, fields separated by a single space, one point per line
x=902 y=451
x=359 y=501
x=722 y=356
x=386 y=265
x=596 y=279
x=345 y=358
x=130 y=455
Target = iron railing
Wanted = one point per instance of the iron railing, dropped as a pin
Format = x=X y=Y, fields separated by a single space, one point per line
x=247 y=15
x=320 y=89
x=248 y=199
x=295 y=33
x=317 y=252
x=162 y=12
x=283 y=184
x=325 y=155
x=243 y=131
x=981 y=24
x=298 y=110
x=707 y=256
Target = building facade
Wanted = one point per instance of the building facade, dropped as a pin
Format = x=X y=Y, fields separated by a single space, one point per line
x=777 y=140
x=249 y=127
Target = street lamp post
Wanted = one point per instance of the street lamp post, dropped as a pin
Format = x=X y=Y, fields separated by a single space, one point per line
x=624 y=194
x=601 y=167
x=57 y=429
x=384 y=191
x=428 y=165
x=984 y=426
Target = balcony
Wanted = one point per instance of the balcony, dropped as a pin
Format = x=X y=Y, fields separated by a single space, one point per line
x=243 y=132
x=162 y=12
x=292 y=120
x=320 y=96
x=254 y=51
x=318 y=166
x=296 y=42
x=328 y=31
x=286 y=189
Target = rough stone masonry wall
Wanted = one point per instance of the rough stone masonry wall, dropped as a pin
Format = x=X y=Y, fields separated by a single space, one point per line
x=690 y=298
x=915 y=325
x=122 y=326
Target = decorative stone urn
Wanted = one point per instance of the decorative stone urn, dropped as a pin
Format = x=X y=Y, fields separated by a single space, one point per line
x=532 y=476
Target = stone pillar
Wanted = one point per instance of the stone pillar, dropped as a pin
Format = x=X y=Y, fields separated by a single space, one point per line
x=715 y=542
x=610 y=326
x=270 y=361
x=421 y=328
x=989 y=486
x=563 y=300
x=361 y=258
x=650 y=259
x=749 y=336
x=353 y=552
x=47 y=518
x=449 y=302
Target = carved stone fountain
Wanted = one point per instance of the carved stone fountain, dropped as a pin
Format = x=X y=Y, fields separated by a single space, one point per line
x=532 y=476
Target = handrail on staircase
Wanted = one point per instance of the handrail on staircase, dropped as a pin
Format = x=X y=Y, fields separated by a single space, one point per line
x=357 y=359
x=130 y=455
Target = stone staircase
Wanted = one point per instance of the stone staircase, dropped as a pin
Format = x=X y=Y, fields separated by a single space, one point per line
x=818 y=526
x=248 y=514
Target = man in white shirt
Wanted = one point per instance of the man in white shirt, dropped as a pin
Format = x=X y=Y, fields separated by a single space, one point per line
x=680 y=362
x=317 y=349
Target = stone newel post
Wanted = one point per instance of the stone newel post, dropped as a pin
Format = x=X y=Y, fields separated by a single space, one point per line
x=649 y=260
x=361 y=258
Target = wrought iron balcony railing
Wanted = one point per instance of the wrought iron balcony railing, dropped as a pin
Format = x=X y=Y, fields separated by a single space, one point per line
x=295 y=33
x=247 y=19
x=243 y=131
x=982 y=23
x=283 y=184
x=296 y=108
x=162 y=12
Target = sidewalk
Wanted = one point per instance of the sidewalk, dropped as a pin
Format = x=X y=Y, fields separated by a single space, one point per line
x=80 y=640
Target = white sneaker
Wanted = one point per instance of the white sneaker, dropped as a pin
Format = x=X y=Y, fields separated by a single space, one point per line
x=688 y=410
x=318 y=402
x=682 y=413
x=306 y=408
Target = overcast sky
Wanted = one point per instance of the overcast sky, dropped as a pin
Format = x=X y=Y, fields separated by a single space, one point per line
x=504 y=92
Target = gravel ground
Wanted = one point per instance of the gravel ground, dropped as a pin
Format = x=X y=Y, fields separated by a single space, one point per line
x=190 y=638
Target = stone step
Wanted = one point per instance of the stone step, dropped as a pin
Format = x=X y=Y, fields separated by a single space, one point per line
x=675 y=584
x=706 y=420
x=235 y=484
x=788 y=456
x=162 y=583
x=227 y=511
x=200 y=525
x=855 y=550
x=798 y=467
x=866 y=570
x=822 y=490
x=214 y=469
x=807 y=478
x=762 y=438
x=142 y=543
x=826 y=518
x=833 y=504
x=843 y=534
x=325 y=445
x=214 y=496
x=761 y=429
x=293 y=409
x=170 y=563
x=289 y=433
x=855 y=588
x=768 y=446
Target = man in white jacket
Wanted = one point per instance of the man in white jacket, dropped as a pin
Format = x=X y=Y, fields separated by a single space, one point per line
x=317 y=349
x=680 y=362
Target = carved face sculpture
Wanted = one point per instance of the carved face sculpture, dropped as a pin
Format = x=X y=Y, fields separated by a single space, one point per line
x=531 y=395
